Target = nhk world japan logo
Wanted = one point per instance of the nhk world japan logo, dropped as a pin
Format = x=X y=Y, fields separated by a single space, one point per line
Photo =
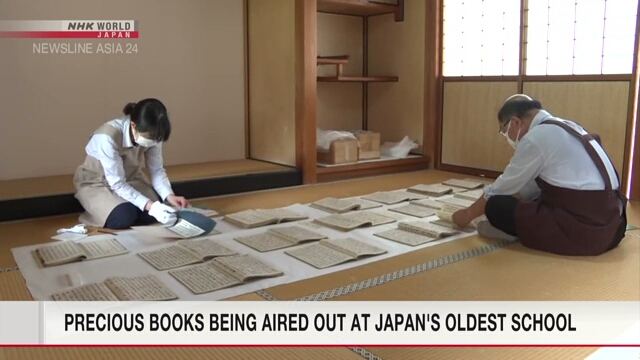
x=70 y=29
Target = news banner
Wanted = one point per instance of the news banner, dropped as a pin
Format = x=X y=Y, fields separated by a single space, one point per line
x=330 y=323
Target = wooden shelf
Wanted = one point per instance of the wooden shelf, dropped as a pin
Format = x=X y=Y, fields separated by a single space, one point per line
x=361 y=8
x=333 y=60
x=371 y=168
x=357 y=79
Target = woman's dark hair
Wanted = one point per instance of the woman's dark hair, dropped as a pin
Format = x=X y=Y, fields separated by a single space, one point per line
x=150 y=117
x=517 y=106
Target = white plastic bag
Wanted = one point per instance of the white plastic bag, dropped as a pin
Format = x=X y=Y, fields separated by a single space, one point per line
x=324 y=138
x=398 y=149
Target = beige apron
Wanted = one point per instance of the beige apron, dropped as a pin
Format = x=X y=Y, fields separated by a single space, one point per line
x=92 y=190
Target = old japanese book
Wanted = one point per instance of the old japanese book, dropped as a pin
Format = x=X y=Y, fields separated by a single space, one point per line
x=472 y=195
x=354 y=220
x=185 y=252
x=340 y=206
x=414 y=210
x=435 y=189
x=430 y=203
x=484 y=181
x=137 y=288
x=202 y=210
x=461 y=203
x=392 y=197
x=262 y=217
x=182 y=229
x=465 y=184
x=223 y=272
x=68 y=251
x=278 y=238
x=327 y=253
x=416 y=233
x=445 y=218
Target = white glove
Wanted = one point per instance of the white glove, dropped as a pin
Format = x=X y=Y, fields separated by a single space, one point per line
x=163 y=213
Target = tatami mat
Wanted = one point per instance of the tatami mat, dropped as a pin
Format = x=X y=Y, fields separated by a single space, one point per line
x=63 y=184
x=515 y=273
x=507 y=273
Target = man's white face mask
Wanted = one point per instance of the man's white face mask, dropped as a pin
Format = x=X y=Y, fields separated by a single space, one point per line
x=513 y=144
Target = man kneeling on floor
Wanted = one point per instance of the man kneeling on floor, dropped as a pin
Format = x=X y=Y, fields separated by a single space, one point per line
x=560 y=192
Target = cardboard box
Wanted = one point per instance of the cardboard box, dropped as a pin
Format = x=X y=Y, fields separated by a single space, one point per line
x=340 y=152
x=369 y=145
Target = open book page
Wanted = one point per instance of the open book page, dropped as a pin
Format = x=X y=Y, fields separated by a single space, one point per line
x=186 y=229
x=296 y=234
x=170 y=257
x=431 y=189
x=426 y=228
x=354 y=220
x=333 y=205
x=244 y=267
x=430 y=203
x=283 y=215
x=447 y=211
x=140 y=288
x=392 y=197
x=249 y=219
x=465 y=184
x=206 y=248
x=204 y=278
x=89 y=292
x=266 y=241
x=406 y=237
x=102 y=248
x=414 y=210
x=449 y=224
x=472 y=195
x=60 y=253
x=483 y=181
x=365 y=204
x=460 y=203
x=320 y=256
x=353 y=247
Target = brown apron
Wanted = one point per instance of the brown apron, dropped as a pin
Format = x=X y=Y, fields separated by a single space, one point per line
x=574 y=222
x=92 y=190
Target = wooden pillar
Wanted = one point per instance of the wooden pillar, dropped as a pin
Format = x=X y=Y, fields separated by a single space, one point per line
x=306 y=44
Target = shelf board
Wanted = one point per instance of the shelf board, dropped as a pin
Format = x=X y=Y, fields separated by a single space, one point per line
x=371 y=168
x=333 y=60
x=357 y=79
x=356 y=7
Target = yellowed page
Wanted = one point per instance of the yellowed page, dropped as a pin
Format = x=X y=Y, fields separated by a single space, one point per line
x=244 y=267
x=414 y=210
x=89 y=292
x=461 y=203
x=265 y=241
x=283 y=215
x=333 y=205
x=319 y=256
x=206 y=248
x=353 y=247
x=392 y=197
x=472 y=195
x=430 y=203
x=204 y=278
x=431 y=189
x=406 y=237
x=465 y=184
x=170 y=257
x=60 y=253
x=102 y=248
x=140 y=288
x=250 y=218
x=426 y=228
x=296 y=234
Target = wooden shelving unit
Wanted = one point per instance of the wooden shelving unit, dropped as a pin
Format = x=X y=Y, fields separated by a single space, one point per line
x=361 y=8
x=341 y=60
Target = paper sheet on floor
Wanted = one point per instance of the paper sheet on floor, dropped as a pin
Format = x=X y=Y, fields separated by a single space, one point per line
x=42 y=283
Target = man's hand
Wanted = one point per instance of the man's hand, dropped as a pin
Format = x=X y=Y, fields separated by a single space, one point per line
x=462 y=218
x=177 y=201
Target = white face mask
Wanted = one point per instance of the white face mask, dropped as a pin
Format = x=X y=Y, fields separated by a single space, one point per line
x=143 y=141
x=513 y=144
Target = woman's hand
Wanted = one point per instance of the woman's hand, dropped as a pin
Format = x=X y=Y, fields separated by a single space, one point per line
x=177 y=201
x=462 y=218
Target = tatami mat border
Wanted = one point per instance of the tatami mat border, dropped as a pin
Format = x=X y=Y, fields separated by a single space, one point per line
x=9 y=269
